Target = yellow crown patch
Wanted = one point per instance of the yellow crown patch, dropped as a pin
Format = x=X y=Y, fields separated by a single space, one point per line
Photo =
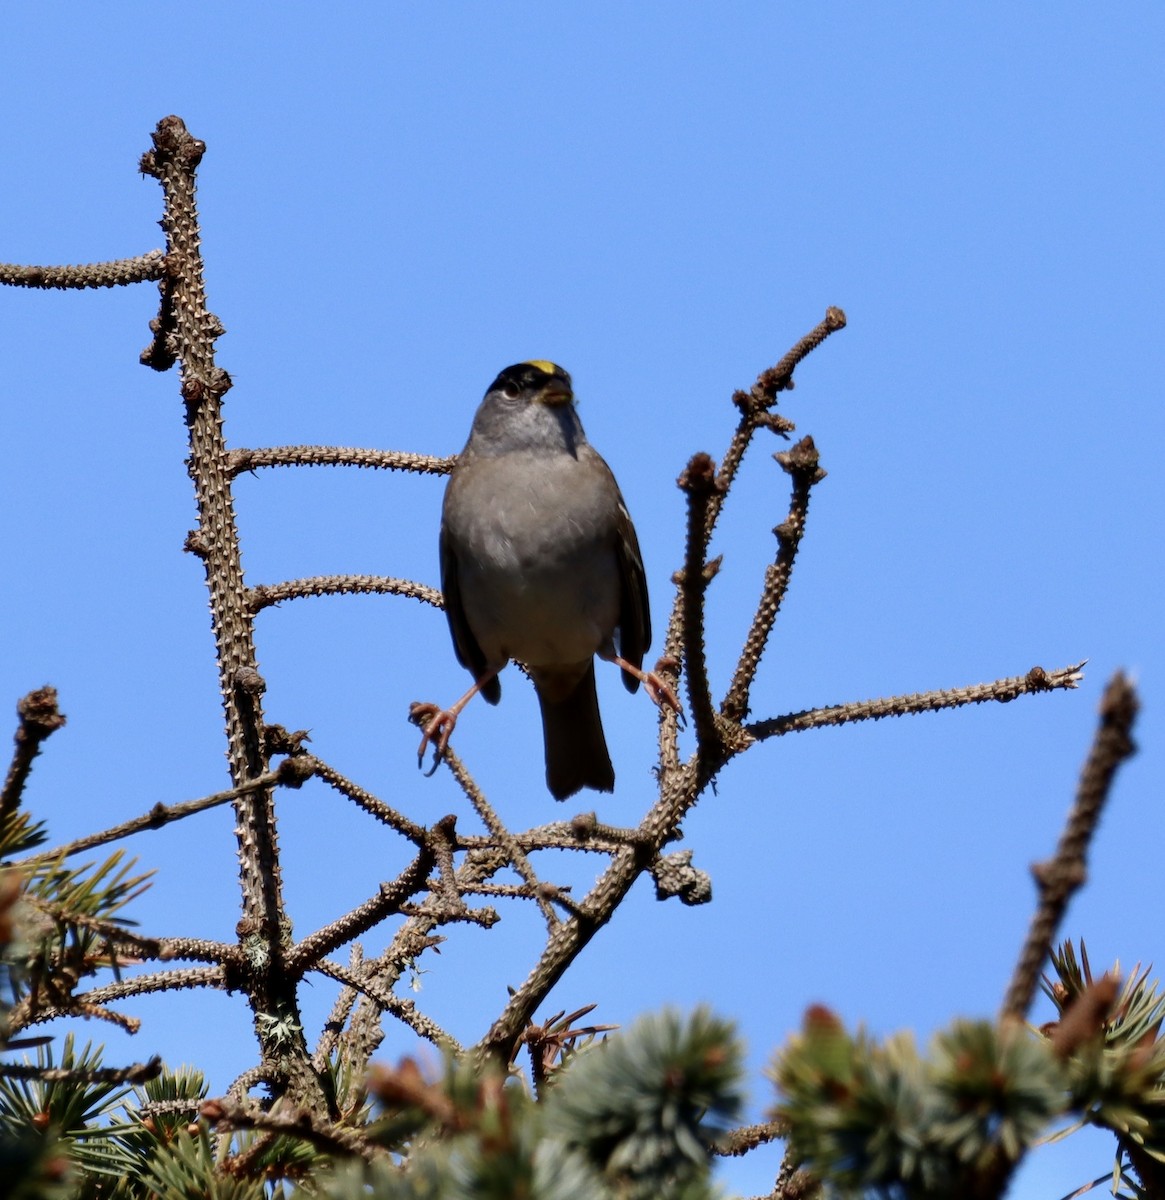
x=542 y=365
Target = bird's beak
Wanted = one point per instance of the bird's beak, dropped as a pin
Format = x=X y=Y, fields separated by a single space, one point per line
x=555 y=393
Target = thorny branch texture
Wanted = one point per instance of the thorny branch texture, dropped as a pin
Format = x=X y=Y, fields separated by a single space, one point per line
x=444 y=873
x=1060 y=878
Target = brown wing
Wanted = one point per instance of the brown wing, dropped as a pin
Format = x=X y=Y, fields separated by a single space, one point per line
x=634 y=612
x=469 y=653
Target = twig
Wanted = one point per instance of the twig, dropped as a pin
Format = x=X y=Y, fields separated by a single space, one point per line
x=544 y=893
x=802 y=464
x=301 y=1123
x=562 y=948
x=157 y=981
x=158 y=816
x=583 y=832
x=698 y=482
x=389 y=898
x=341 y=1008
x=413 y=938
x=242 y=1084
x=1001 y=690
x=122 y=939
x=264 y=595
x=500 y=835
x=780 y=377
x=369 y=803
x=338 y=456
x=135 y=1073
x=793 y=1182
x=409 y=942
x=39 y=719
x=404 y=1010
x=754 y=408
x=89 y=275
x=1059 y=879
x=737 y=1142
x=28 y=1012
x=754 y=404
x=441 y=842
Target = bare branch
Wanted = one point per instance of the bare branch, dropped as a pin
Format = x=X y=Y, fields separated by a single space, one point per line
x=754 y=408
x=338 y=456
x=698 y=482
x=185 y=332
x=780 y=377
x=134 y=1073
x=369 y=803
x=32 y=1012
x=404 y=1010
x=141 y=985
x=158 y=816
x=90 y=275
x=562 y=947
x=39 y=719
x=755 y=404
x=737 y=1142
x=125 y=940
x=264 y=595
x=345 y=1001
x=582 y=832
x=442 y=841
x=1059 y=879
x=1002 y=691
x=543 y=893
x=500 y=835
x=389 y=899
x=802 y=464
x=302 y=1123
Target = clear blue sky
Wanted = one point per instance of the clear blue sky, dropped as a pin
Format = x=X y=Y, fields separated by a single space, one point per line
x=399 y=200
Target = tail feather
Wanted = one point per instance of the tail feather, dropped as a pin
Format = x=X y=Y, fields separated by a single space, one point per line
x=576 y=750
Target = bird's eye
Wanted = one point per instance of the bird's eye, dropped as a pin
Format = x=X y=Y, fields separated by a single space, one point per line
x=510 y=390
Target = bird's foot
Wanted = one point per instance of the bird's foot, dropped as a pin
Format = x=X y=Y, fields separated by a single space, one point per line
x=437 y=723
x=436 y=728
x=654 y=684
x=662 y=692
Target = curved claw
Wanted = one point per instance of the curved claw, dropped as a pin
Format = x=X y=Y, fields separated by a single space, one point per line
x=661 y=692
x=436 y=727
x=657 y=688
x=437 y=723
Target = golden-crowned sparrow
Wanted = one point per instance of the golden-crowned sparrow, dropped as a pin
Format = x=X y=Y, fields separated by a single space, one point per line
x=540 y=563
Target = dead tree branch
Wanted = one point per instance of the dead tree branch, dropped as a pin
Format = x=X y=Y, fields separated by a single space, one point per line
x=1058 y=879
x=40 y=718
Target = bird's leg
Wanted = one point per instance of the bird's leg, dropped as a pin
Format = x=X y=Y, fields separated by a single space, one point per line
x=655 y=686
x=437 y=723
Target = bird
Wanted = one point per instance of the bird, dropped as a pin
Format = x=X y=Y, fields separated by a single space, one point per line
x=540 y=564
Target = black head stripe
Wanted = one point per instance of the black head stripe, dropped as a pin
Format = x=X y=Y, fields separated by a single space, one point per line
x=529 y=376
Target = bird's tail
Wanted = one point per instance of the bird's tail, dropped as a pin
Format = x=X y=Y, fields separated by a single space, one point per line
x=576 y=750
